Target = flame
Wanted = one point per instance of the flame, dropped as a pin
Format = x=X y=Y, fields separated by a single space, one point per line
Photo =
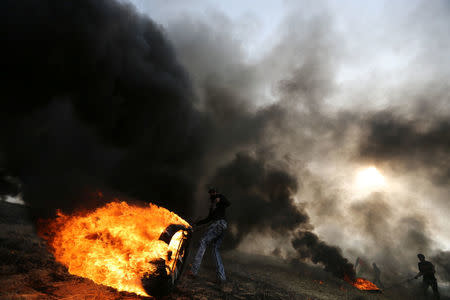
x=114 y=244
x=362 y=284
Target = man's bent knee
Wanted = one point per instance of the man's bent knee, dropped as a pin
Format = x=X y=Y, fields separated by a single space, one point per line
x=205 y=242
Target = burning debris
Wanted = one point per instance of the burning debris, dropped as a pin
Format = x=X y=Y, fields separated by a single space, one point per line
x=130 y=248
x=363 y=284
x=308 y=245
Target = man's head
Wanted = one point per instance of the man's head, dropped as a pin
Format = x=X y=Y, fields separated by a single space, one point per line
x=212 y=191
x=421 y=257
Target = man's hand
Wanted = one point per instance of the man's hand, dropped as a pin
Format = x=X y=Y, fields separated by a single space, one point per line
x=217 y=200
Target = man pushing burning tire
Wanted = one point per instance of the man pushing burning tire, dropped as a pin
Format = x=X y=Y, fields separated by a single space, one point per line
x=214 y=234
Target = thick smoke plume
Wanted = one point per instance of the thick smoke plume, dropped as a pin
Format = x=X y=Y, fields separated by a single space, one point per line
x=94 y=98
x=264 y=202
x=309 y=246
x=262 y=197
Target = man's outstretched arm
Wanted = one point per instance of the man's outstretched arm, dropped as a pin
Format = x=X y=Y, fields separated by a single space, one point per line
x=205 y=220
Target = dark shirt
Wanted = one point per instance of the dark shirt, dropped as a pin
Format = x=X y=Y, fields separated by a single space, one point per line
x=216 y=210
x=427 y=269
x=376 y=271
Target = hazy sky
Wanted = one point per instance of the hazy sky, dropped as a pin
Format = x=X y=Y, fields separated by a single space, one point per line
x=380 y=39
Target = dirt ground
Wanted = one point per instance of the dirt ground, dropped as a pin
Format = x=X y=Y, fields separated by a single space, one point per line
x=28 y=271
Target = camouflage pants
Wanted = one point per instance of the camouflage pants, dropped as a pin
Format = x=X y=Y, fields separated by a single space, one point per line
x=215 y=235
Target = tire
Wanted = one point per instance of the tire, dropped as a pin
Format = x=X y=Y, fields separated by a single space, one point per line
x=163 y=280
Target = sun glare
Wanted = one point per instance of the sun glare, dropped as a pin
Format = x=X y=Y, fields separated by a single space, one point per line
x=370 y=178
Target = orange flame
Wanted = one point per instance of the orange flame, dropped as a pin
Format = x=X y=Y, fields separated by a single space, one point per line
x=114 y=244
x=362 y=284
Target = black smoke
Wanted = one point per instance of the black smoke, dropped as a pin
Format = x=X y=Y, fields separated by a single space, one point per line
x=93 y=98
x=409 y=144
x=262 y=194
x=309 y=246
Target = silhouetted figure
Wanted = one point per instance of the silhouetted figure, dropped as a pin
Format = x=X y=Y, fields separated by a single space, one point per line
x=377 y=276
x=364 y=268
x=426 y=269
x=356 y=263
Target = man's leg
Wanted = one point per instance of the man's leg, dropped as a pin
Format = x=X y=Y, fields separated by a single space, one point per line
x=434 y=286
x=218 y=258
x=206 y=239
x=425 y=286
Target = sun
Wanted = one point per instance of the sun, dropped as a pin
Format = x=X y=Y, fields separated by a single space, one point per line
x=370 y=178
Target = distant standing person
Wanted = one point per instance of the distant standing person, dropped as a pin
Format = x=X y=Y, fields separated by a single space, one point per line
x=377 y=275
x=214 y=234
x=364 y=268
x=426 y=269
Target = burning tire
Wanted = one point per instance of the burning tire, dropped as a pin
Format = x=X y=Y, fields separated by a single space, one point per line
x=168 y=270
